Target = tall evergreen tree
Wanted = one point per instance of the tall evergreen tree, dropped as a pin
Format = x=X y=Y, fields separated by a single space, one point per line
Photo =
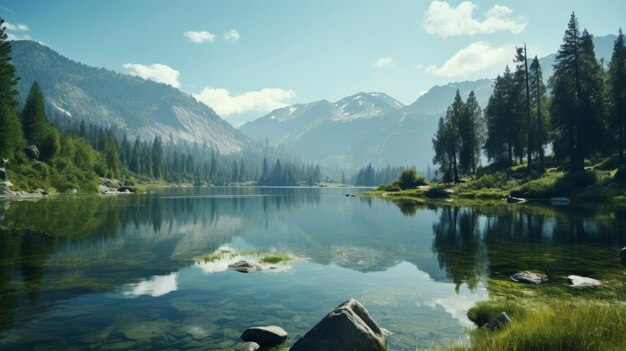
x=537 y=95
x=523 y=82
x=566 y=93
x=37 y=129
x=471 y=134
x=617 y=81
x=11 y=137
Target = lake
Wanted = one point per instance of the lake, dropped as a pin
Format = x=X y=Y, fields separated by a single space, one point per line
x=126 y=272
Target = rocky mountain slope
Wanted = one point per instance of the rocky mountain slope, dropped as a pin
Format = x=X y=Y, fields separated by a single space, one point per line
x=141 y=108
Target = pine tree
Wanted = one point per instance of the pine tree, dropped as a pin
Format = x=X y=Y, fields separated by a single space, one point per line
x=37 y=129
x=11 y=137
x=537 y=95
x=617 y=81
x=566 y=93
x=471 y=134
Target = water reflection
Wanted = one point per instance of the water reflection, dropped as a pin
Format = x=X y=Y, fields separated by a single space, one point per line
x=410 y=267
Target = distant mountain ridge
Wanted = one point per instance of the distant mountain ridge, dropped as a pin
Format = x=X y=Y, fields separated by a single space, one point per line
x=141 y=108
x=374 y=127
x=361 y=128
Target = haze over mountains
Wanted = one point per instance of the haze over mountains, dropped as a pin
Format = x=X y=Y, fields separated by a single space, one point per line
x=141 y=108
x=367 y=127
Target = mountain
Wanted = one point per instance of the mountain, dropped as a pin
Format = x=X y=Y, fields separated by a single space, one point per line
x=141 y=108
x=373 y=127
x=439 y=97
x=362 y=128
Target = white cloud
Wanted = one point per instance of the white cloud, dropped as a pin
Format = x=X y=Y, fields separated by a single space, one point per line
x=200 y=37
x=445 y=20
x=264 y=100
x=15 y=27
x=384 y=62
x=232 y=36
x=156 y=72
x=419 y=67
x=475 y=57
x=20 y=27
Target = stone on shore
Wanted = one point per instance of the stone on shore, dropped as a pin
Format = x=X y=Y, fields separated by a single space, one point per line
x=268 y=336
x=530 y=278
x=500 y=321
x=348 y=327
x=577 y=281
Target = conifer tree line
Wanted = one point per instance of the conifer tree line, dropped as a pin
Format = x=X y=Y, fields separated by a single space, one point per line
x=581 y=113
x=74 y=154
x=370 y=176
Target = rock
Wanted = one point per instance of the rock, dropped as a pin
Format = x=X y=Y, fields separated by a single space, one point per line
x=32 y=152
x=71 y=191
x=577 y=281
x=3 y=174
x=247 y=346
x=268 y=336
x=622 y=254
x=41 y=191
x=245 y=266
x=515 y=200
x=500 y=321
x=348 y=327
x=530 y=278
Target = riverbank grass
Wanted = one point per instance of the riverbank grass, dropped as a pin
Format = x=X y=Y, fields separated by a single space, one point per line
x=563 y=325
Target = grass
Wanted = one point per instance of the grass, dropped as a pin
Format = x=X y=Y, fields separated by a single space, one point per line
x=263 y=255
x=274 y=259
x=561 y=326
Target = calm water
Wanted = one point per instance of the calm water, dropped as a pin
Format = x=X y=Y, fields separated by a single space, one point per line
x=114 y=273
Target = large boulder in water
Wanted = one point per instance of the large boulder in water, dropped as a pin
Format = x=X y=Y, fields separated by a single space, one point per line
x=32 y=152
x=245 y=266
x=622 y=254
x=348 y=327
x=530 y=278
x=269 y=336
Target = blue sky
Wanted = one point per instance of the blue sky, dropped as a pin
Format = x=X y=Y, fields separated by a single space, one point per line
x=245 y=58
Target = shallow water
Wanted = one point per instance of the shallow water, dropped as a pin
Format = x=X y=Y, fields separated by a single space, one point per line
x=114 y=273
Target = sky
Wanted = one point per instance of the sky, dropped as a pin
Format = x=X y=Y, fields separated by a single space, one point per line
x=245 y=58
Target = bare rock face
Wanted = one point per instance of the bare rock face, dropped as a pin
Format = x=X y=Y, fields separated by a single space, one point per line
x=32 y=152
x=530 y=278
x=348 y=327
x=268 y=336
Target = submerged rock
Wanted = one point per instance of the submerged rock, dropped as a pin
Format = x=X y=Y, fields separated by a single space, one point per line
x=348 y=327
x=500 y=321
x=577 y=281
x=246 y=266
x=268 y=336
x=530 y=278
